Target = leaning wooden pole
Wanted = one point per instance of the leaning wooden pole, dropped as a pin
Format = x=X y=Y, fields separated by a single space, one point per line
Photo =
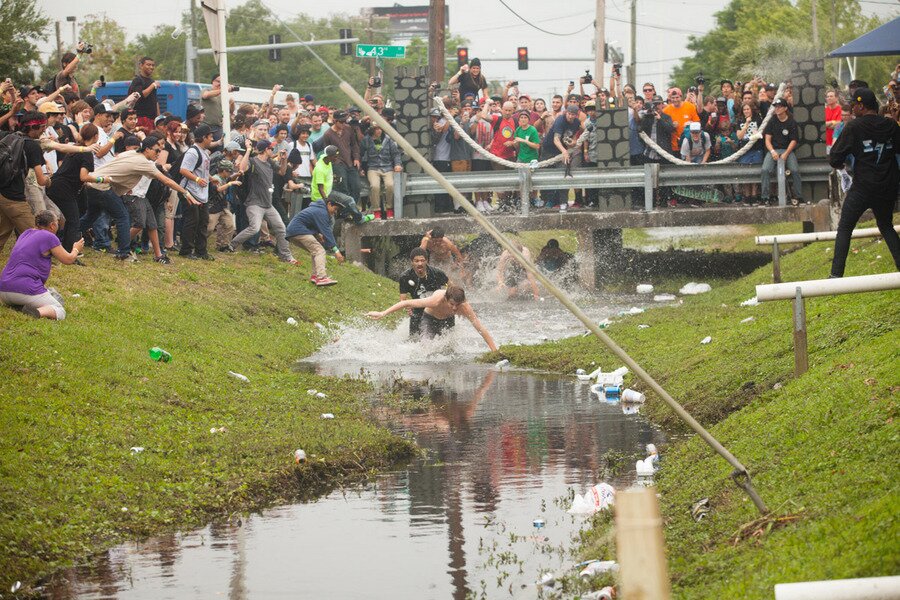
x=640 y=548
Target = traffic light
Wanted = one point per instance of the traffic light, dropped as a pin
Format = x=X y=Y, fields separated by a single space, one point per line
x=523 y=58
x=462 y=56
x=346 y=49
x=275 y=53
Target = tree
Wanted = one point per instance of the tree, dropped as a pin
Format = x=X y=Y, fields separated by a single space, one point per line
x=110 y=56
x=22 y=23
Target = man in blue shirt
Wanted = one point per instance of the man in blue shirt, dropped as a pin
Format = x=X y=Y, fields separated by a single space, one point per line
x=309 y=229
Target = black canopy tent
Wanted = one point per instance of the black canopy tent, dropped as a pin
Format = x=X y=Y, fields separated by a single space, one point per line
x=882 y=41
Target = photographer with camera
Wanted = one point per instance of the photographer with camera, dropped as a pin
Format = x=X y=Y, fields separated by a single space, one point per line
x=69 y=62
x=211 y=102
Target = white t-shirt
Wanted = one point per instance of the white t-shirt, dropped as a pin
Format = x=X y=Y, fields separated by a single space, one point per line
x=306 y=153
x=103 y=139
x=51 y=161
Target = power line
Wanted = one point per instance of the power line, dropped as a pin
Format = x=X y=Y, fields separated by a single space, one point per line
x=527 y=22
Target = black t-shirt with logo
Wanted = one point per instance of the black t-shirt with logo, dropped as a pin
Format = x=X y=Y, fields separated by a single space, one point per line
x=783 y=132
x=14 y=189
x=144 y=107
x=417 y=288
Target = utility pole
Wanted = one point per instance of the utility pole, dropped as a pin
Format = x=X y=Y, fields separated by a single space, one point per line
x=600 y=41
x=815 y=25
x=633 y=74
x=59 y=51
x=436 y=40
x=371 y=39
x=73 y=21
x=193 y=57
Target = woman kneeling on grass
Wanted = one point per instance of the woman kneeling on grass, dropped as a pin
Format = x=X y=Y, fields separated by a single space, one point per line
x=22 y=280
x=441 y=309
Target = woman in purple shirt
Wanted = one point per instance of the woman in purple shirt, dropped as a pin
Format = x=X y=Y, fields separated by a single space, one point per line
x=23 y=278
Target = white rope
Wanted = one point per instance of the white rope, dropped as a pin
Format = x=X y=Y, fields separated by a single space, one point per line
x=666 y=154
x=439 y=104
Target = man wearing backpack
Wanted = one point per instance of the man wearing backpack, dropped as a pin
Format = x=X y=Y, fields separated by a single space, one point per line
x=20 y=152
x=696 y=147
x=194 y=171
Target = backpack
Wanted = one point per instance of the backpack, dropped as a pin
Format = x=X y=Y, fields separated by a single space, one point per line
x=175 y=170
x=12 y=157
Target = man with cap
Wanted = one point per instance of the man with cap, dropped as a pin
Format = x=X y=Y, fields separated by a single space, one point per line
x=310 y=228
x=347 y=165
x=323 y=184
x=470 y=79
x=781 y=138
x=221 y=219
x=195 y=173
x=211 y=101
x=15 y=212
x=874 y=143
x=30 y=94
x=195 y=115
x=259 y=172
x=561 y=139
x=697 y=146
x=140 y=213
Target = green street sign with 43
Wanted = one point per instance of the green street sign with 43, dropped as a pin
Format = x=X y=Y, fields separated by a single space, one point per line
x=375 y=51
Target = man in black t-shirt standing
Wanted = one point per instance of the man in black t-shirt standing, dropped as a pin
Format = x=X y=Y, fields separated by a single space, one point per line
x=147 y=105
x=782 y=136
x=874 y=142
x=14 y=209
x=420 y=282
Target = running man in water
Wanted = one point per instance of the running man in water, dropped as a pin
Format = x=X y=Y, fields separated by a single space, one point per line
x=441 y=309
x=511 y=276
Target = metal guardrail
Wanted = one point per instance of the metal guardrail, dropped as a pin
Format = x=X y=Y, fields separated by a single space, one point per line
x=649 y=177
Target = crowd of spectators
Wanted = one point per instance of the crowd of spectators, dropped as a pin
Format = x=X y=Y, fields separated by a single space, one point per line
x=696 y=125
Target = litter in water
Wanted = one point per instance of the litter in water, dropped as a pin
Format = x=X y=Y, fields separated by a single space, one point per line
x=747 y=320
x=600 y=497
x=291 y=321
x=327 y=416
x=299 y=456
x=644 y=288
x=650 y=465
x=502 y=363
x=751 y=302
x=706 y=340
x=634 y=310
x=238 y=376
x=664 y=298
x=629 y=395
x=693 y=288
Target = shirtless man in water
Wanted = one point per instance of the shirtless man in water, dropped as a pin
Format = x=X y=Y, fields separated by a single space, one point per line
x=511 y=276
x=441 y=309
x=444 y=254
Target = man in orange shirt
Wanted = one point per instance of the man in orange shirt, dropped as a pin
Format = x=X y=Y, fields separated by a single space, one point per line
x=682 y=113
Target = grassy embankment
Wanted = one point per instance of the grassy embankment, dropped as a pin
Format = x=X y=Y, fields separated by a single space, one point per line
x=821 y=448
x=77 y=395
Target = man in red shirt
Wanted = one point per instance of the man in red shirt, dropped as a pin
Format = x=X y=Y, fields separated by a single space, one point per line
x=832 y=117
x=503 y=127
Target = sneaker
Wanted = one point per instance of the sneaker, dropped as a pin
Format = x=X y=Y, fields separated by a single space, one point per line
x=313 y=279
x=206 y=256
x=163 y=260
x=227 y=249
x=366 y=219
x=130 y=257
x=78 y=262
x=563 y=207
x=325 y=281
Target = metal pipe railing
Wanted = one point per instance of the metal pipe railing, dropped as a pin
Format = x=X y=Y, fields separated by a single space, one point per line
x=817 y=236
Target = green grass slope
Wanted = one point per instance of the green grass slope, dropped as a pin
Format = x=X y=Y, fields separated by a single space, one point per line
x=77 y=395
x=821 y=448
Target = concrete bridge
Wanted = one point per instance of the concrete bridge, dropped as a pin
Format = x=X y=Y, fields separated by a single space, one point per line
x=599 y=234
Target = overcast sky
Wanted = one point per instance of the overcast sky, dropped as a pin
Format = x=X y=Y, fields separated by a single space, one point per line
x=662 y=33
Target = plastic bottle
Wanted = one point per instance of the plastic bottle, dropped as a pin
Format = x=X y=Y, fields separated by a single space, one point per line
x=158 y=354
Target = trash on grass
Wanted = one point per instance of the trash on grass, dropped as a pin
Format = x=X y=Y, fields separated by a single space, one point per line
x=320 y=327
x=327 y=416
x=599 y=497
x=700 y=509
x=219 y=430
x=321 y=395
x=706 y=340
x=159 y=355
x=137 y=449
x=644 y=288
x=747 y=320
x=664 y=298
x=634 y=310
x=16 y=587
x=299 y=456
x=291 y=321
x=751 y=302
x=643 y=326
x=79 y=295
x=239 y=376
x=598 y=567
x=629 y=395
x=312 y=392
x=693 y=288
x=607 y=593
x=548 y=579
x=650 y=465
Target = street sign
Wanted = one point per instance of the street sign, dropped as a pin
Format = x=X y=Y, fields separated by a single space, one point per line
x=374 y=51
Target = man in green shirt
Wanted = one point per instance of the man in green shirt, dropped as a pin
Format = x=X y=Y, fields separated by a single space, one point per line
x=323 y=182
x=528 y=141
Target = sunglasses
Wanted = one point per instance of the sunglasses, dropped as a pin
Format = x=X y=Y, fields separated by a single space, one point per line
x=649 y=90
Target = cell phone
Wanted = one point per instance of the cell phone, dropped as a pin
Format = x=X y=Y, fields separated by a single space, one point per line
x=102 y=80
x=571 y=83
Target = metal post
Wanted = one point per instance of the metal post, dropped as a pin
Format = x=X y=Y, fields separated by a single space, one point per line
x=223 y=69
x=776 y=262
x=525 y=190
x=193 y=58
x=801 y=359
x=651 y=180
x=600 y=40
x=782 y=184
x=189 y=55
x=399 y=193
x=59 y=51
x=634 y=79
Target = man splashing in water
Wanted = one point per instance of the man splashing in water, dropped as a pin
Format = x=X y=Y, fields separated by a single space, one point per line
x=441 y=309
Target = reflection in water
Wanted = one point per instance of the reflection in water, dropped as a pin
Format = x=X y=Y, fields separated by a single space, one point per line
x=503 y=448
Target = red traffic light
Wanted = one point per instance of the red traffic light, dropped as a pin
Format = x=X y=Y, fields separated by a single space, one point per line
x=523 y=58
x=462 y=56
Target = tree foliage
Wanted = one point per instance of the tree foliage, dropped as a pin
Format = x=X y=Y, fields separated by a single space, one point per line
x=760 y=37
x=22 y=23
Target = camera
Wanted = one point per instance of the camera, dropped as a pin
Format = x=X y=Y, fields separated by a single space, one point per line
x=617 y=68
x=103 y=81
x=513 y=83
x=587 y=76
x=700 y=79
x=235 y=88
x=692 y=89
x=376 y=81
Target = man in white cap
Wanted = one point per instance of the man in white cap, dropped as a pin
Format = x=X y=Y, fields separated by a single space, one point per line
x=696 y=147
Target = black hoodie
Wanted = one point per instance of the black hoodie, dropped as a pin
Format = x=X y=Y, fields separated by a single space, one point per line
x=874 y=142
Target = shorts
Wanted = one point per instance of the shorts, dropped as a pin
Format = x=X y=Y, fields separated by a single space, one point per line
x=432 y=327
x=140 y=211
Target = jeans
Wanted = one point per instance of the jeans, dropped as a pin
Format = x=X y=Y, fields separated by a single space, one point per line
x=348 y=209
x=71 y=233
x=855 y=204
x=255 y=216
x=193 y=233
x=349 y=180
x=98 y=201
x=790 y=163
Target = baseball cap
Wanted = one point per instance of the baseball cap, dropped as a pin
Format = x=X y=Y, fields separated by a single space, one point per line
x=149 y=142
x=231 y=146
x=728 y=81
x=388 y=114
x=354 y=109
x=201 y=131
x=226 y=165
x=339 y=116
x=474 y=63
x=26 y=89
x=572 y=109
x=132 y=140
x=590 y=104
x=100 y=109
x=526 y=96
x=435 y=112
x=779 y=102
x=721 y=100
x=193 y=110
x=866 y=97
x=308 y=98
x=160 y=118
x=695 y=126
x=263 y=145
x=771 y=86
x=332 y=150
x=51 y=108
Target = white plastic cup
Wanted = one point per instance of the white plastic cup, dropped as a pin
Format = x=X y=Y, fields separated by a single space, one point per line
x=629 y=395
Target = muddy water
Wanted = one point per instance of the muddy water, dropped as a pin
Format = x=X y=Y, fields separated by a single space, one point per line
x=503 y=448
